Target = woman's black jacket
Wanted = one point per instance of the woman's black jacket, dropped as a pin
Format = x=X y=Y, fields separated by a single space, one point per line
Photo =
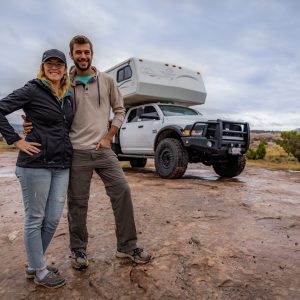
x=51 y=120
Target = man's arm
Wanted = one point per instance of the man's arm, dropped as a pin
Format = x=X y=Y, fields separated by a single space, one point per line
x=117 y=105
x=27 y=125
x=106 y=141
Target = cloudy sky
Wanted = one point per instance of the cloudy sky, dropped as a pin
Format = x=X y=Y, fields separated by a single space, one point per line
x=248 y=52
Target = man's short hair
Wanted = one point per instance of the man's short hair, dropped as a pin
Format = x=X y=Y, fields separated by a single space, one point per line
x=80 y=39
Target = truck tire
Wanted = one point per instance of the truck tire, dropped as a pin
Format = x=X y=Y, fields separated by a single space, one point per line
x=138 y=162
x=171 y=159
x=232 y=168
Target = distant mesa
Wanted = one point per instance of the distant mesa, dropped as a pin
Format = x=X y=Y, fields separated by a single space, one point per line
x=273 y=131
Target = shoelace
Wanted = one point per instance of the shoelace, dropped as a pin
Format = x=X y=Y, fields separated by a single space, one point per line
x=137 y=251
x=80 y=254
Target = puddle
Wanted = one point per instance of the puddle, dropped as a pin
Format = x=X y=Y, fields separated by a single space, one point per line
x=7 y=171
x=195 y=174
x=204 y=174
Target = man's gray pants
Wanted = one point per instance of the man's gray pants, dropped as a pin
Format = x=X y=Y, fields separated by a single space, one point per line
x=105 y=163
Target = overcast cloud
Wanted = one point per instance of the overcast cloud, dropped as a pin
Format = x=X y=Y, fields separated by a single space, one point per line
x=248 y=52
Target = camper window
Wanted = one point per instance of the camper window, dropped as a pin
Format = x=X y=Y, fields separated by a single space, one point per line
x=124 y=73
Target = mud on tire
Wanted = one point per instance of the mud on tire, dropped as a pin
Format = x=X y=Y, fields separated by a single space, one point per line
x=171 y=159
x=138 y=162
x=232 y=168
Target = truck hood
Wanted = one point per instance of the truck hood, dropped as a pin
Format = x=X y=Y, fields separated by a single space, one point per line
x=182 y=121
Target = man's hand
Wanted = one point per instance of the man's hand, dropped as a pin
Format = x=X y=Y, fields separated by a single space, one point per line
x=27 y=126
x=28 y=147
x=104 y=143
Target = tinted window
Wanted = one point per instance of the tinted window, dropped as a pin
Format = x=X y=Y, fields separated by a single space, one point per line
x=149 y=113
x=132 y=116
x=124 y=73
x=172 y=110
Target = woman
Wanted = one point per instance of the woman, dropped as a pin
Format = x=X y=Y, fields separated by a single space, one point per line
x=44 y=158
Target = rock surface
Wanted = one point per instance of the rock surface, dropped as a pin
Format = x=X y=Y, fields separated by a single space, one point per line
x=212 y=238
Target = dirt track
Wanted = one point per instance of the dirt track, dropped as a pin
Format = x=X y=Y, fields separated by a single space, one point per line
x=212 y=239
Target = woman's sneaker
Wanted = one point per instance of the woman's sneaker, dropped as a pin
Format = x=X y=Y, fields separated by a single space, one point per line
x=51 y=280
x=137 y=255
x=29 y=274
x=79 y=260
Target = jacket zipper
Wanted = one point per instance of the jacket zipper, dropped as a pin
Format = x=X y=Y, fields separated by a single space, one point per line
x=64 y=124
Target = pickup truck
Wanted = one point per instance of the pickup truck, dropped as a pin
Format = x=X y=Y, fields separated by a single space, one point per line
x=161 y=124
x=176 y=135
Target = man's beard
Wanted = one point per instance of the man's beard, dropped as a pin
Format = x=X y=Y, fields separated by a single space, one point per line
x=80 y=68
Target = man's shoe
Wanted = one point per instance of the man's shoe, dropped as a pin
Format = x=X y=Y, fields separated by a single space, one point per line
x=29 y=274
x=51 y=280
x=137 y=255
x=79 y=259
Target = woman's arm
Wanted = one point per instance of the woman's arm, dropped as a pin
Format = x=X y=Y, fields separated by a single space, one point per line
x=13 y=102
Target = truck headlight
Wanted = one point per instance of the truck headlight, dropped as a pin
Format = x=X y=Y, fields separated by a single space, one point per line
x=196 y=132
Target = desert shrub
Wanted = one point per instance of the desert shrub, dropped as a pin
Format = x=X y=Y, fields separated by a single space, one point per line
x=290 y=142
x=261 y=150
x=264 y=141
x=251 y=153
x=259 y=153
x=275 y=153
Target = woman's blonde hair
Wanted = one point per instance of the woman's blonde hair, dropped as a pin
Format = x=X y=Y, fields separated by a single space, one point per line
x=64 y=82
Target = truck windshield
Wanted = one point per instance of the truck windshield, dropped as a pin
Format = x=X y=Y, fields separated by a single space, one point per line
x=172 y=110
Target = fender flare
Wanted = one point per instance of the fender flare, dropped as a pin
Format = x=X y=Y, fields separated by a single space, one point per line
x=174 y=131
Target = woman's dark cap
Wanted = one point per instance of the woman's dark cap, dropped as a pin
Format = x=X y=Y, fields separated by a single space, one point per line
x=54 y=53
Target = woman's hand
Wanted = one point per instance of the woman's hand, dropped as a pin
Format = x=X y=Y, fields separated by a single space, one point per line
x=28 y=147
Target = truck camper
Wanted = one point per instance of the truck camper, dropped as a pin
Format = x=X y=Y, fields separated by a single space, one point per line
x=144 y=81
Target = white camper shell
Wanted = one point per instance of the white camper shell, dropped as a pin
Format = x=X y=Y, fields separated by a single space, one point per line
x=144 y=81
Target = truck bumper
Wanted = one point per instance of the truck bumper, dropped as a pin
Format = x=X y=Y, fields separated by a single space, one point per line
x=218 y=137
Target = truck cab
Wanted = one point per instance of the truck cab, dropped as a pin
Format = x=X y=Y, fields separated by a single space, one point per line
x=142 y=124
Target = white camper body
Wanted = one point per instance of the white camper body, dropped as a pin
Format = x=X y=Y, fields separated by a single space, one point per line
x=144 y=81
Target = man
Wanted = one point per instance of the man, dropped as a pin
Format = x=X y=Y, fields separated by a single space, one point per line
x=94 y=95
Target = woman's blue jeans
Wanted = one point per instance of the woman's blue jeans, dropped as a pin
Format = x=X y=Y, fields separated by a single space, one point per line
x=44 y=193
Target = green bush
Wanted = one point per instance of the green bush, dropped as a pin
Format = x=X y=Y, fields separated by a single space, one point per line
x=259 y=153
x=290 y=142
x=261 y=150
x=251 y=154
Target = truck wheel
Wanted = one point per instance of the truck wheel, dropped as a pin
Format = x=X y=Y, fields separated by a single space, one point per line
x=138 y=162
x=232 y=168
x=171 y=159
